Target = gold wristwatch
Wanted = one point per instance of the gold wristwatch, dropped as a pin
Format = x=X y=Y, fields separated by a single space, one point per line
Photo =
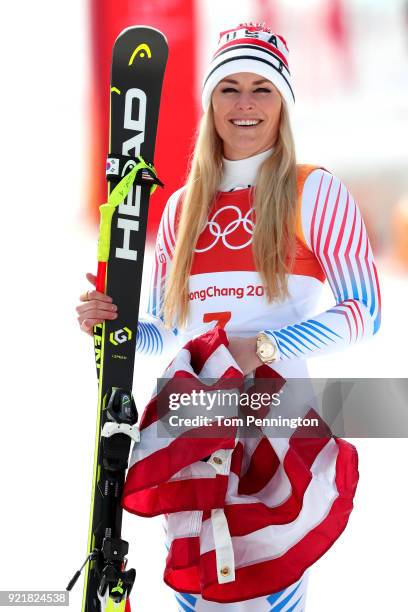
x=266 y=348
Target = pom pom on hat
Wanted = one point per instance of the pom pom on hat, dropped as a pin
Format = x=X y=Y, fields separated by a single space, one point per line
x=250 y=47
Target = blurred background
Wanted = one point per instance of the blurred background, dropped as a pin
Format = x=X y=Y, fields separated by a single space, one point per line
x=349 y=60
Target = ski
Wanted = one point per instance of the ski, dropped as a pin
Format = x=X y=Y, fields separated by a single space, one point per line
x=138 y=64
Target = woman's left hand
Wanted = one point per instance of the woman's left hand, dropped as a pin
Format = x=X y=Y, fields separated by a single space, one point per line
x=243 y=351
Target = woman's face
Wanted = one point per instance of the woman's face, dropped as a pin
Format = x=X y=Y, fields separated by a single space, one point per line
x=246 y=96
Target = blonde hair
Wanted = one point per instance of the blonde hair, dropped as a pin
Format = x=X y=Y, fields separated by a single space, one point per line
x=275 y=199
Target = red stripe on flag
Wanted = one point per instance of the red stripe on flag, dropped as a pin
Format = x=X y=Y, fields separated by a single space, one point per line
x=277 y=574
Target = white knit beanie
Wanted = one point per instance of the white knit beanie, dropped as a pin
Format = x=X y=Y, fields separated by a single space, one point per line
x=250 y=47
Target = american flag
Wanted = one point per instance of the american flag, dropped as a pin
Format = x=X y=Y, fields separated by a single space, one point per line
x=147 y=176
x=246 y=515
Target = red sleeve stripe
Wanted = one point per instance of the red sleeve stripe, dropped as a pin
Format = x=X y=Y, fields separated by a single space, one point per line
x=312 y=237
x=355 y=304
x=345 y=314
x=323 y=253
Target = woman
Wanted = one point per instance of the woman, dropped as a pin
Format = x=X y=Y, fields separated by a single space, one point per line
x=259 y=279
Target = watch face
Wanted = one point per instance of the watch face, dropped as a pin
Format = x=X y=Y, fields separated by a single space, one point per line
x=267 y=350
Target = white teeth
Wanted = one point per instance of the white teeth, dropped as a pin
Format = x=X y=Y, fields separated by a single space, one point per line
x=245 y=121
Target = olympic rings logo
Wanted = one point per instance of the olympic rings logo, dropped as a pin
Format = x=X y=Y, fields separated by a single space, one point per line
x=215 y=229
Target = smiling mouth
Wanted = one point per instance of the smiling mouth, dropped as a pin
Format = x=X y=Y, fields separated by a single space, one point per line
x=245 y=123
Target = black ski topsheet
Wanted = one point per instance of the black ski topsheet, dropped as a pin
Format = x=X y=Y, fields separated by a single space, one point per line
x=138 y=64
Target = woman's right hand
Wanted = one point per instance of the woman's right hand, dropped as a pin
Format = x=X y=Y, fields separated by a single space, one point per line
x=95 y=307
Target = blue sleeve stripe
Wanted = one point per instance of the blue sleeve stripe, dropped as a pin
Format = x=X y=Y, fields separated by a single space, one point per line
x=306 y=330
x=297 y=329
x=279 y=343
x=318 y=331
x=373 y=292
x=282 y=350
x=188 y=597
x=140 y=342
x=149 y=339
x=294 y=607
x=282 y=603
x=141 y=337
x=359 y=260
x=154 y=344
x=183 y=606
x=312 y=321
x=285 y=340
x=158 y=340
x=295 y=338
